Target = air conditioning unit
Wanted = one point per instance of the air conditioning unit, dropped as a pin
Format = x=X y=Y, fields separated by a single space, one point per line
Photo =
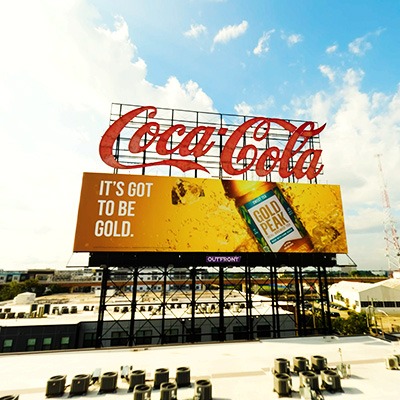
x=203 y=389
x=108 y=382
x=182 y=377
x=161 y=375
x=318 y=363
x=331 y=381
x=282 y=385
x=79 y=385
x=136 y=377
x=392 y=362
x=281 y=366
x=168 y=391
x=309 y=378
x=300 y=364
x=142 y=392
x=56 y=386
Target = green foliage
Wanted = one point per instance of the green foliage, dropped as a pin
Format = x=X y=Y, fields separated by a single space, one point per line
x=355 y=324
x=12 y=289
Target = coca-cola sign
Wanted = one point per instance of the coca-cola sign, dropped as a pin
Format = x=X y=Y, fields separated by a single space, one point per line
x=240 y=147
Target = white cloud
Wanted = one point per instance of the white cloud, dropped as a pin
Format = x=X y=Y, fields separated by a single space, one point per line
x=227 y=33
x=263 y=43
x=243 y=108
x=328 y=72
x=359 y=126
x=195 y=31
x=332 y=49
x=294 y=39
x=359 y=46
x=63 y=71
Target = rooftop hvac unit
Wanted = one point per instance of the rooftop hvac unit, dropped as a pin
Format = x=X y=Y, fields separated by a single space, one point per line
x=56 y=386
x=136 y=377
x=182 y=377
x=281 y=366
x=392 y=362
x=40 y=312
x=160 y=376
x=309 y=378
x=108 y=382
x=318 y=363
x=10 y=397
x=331 y=381
x=203 y=389
x=282 y=384
x=79 y=385
x=398 y=357
x=168 y=391
x=300 y=364
x=142 y=392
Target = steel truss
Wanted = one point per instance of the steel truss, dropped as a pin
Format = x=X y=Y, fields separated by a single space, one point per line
x=145 y=304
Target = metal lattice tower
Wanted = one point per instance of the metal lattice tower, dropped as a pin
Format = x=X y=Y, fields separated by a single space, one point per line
x=391 y=238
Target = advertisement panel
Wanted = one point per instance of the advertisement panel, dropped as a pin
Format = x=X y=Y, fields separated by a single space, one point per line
x=142 y=213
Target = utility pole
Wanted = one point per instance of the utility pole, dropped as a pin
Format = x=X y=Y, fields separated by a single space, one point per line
x=391 y=238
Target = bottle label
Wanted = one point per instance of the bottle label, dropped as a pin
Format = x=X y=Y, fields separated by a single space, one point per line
x=271 y=220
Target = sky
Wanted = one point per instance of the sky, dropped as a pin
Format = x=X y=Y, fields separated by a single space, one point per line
x=65 y=62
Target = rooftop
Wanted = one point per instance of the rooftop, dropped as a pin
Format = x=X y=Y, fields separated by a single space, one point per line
x=240 y=370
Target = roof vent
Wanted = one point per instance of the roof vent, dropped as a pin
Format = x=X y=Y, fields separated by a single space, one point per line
x=182 y=377
x=282 y=384
x=203 y=389
x=79 y=385
x=56 y=386
x=108 y=382
x=160 y=376
x=142 y=392
x=168 y=391
x=136 y=377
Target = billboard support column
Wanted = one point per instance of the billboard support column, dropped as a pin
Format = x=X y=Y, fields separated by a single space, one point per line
x=221 y=328
x=131 y=339
x=275 y=302
x=298 y=302
x=249 y=305
x=102 y=306
x=163 y=304
x=193 y=272
x=324 y=290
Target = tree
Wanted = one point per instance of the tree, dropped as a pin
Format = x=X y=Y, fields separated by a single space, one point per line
x=354 y=324
x=10 y=290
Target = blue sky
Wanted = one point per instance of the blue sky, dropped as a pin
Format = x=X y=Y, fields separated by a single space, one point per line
x=65 y=62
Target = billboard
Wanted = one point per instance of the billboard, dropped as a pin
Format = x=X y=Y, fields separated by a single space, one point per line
x=142 y=213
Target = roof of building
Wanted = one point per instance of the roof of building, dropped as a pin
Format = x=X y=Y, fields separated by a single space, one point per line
x=239 y=370
x=389 y=283
x=349 y=285
x=87 y=309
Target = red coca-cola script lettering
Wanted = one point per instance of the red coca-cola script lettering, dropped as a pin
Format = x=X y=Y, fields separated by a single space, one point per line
x=294 y=159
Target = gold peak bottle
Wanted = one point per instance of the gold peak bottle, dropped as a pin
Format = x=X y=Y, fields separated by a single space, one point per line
x=269 y=216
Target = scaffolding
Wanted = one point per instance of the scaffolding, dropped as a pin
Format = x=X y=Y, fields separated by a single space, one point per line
x=170 y=303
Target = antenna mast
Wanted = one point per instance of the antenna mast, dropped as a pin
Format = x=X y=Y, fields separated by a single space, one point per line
x=391 y=238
